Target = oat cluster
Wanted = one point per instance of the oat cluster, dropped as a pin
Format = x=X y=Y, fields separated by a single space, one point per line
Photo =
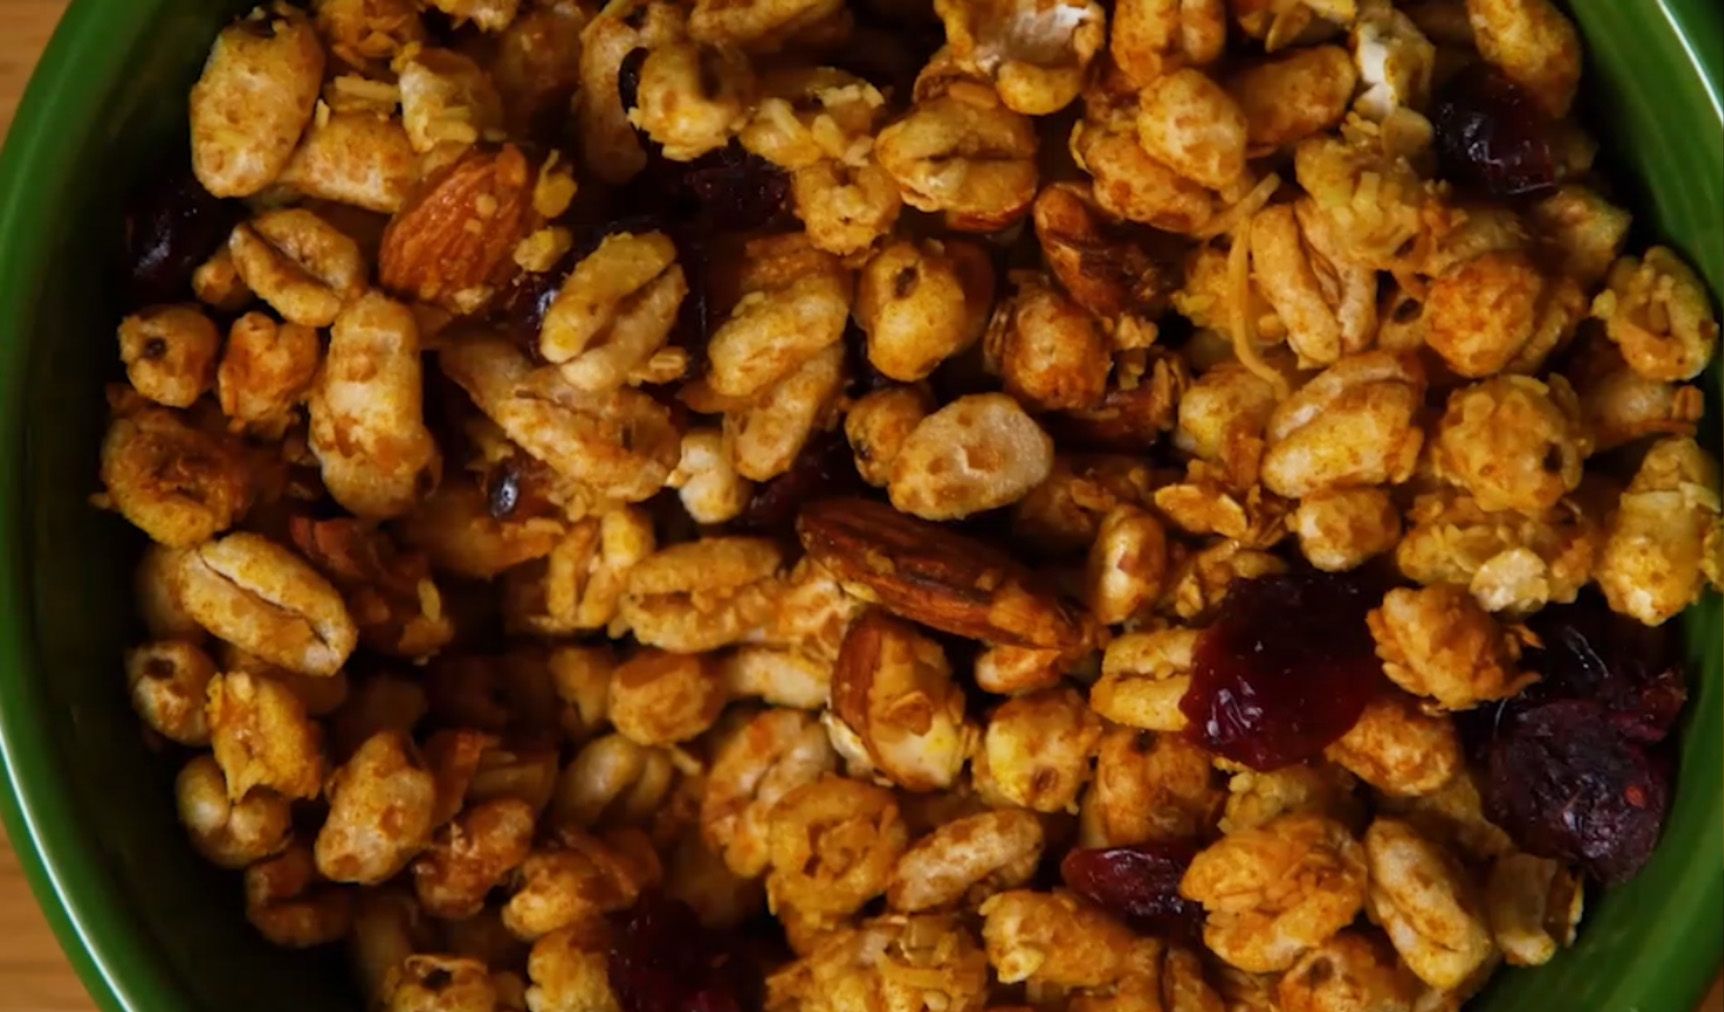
x=782 y=458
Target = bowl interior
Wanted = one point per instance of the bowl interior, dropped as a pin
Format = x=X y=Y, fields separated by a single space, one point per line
x=149 y=926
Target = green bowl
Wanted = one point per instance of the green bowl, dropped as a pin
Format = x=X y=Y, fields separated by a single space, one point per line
x=89 y=806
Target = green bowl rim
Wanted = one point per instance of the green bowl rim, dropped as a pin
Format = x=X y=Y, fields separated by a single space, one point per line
x=62 y=103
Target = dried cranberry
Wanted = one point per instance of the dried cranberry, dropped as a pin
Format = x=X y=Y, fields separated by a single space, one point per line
x=1139 y=883
x=1492 y=135
x=662 y=960
x=522 y=308
x=736 y=190
x=1565 y=783
x=1285 y=670
x=1590 y=652
x=824 y=468
x=172 y=227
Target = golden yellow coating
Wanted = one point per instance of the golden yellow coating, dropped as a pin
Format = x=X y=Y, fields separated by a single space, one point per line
x=833 y=845
x=168 y=680
x=291 y=906
x=1036 y=751
x=226 y=832
x=253 y=99
x=262 y=737
x=1655 y=309
x=1342 y=529
x=1149 y=787
x=1534 y=906
x=1509 y=560
x=917 y=963
x=1050 y=353
x=1438 y=642
x=895 y=709
x=977 y=453
x=1398 y=747
x=1319 y=788
x=1035 y=53
x=1665 y=540
x=1273 y=892
x=1054 y=939
x=963 y=154
x=1427 y=904
x=967 y=860
x=701 y=595
x=756 y=766
x=1513 y=442
x=380 y=810
x=1351 y=425
x=1352 y=972
x=1143 y=676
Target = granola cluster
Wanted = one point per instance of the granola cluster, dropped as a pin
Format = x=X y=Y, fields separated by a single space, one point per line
x=785 y=465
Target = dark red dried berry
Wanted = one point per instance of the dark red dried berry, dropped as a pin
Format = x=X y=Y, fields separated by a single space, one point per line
x=1492 y=136
x=1138 y=884
x=736 y=190
x=1285 y=670
x=172 y=227
x=1565 y=783
x=663 y=960
x=823 y=469
x=521 y=310
x=1590 y=652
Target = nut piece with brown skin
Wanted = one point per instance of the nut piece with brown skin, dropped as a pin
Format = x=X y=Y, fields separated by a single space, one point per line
x=452 y=244
x=939 y=579
x=1104 y=266
x=893 y=693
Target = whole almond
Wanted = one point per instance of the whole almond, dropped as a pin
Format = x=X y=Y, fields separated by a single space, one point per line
x=453 y=244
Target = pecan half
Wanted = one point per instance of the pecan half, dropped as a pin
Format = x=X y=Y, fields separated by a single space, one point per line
x=452 y=244
x=930 y=575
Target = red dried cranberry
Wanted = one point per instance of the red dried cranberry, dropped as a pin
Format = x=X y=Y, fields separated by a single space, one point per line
x=663 y=960
x=172 y=227
x=824 y=468
x=1492 y=135
x=736 y=190
x=1285 y=670
x=1590 y=652
x=1139 y=883
x=522 y=308
x=1565 y=783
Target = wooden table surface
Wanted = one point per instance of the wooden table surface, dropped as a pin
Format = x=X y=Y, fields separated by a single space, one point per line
x=34 y=976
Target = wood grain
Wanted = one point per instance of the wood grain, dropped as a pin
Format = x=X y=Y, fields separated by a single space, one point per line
x=34 y=976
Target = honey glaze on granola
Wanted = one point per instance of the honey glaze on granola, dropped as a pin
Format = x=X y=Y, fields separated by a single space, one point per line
x=942 y=505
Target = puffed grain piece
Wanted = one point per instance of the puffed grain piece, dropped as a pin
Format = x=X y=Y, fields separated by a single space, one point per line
x=1534 y=44
x=1655 y=309
x=355 y=158
x=1427 y=904
x=765 y=436
x=614 y=311
x=772 y=754
x=1152 y=37
x=964 y=154
x=691 y=98
x=1149 y=787
x=1049 y=352
x=609 y=146
x=1200 y=581
x=454 y=527
x=777 y=677
x=1036 y=54
x=660 y=698
x=1127 y=565
x=921 y=303
x=1328 y=306
x=1534 y=905
x=304 y=267
x=979 y=452
x=1291 y=97
x=1514 y=442
x=157 y=600
x=621 y=442
x=1666 y=539
x=1399 y=748
x=262 y=597
x=878 y=424
x=1273 y=892
x=1498 y=311
x=1343 y=529
x=253 y=100
x=170 y=353
x=1318 y=788
x=179 y=485
x=1128 y=182
x=1353 y=424
x=470 y=855
x=1352 y=972
x=795 y=302
x=928 y=961
x=833 y=845
x=1510 y=561
x=262 y=737
x=701 y=595
x=486 y=15
x=893 y=690
x=967 y=861
x=1036 y=750
x=1143 y=676
x=1438 y=642
x=381 y=803
x=845 y=207
x=225 y=832
x=1619 y=406
x=1053 y=939
x=291 y=906
x=168 y=680
x=266 y=370
x=578 y=879
x=767 y=26
x=1189 y=123
x=367 y=412
x=614 y=782
x=568 y=970
x=359 y=31
x=426 y=982
x=448 y=101
x=1222 y=417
